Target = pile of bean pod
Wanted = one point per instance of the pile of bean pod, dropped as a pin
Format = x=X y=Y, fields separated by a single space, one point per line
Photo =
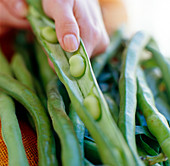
x=110 y=110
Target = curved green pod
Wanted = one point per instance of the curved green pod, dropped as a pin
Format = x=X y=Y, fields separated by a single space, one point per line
x=156 y=122
x=11 y=132
x=70 y=150
x=110 y=142
x=23 y=75
x=163 y=64
x=45 y=139
x=10 y=128
x=21 y=72
x=79 y=128
x=128 y=90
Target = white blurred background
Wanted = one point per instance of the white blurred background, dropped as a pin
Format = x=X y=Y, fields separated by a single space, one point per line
x=152 y=16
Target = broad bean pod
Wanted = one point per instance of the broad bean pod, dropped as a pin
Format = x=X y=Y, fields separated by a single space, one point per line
x=46 y=144
x=163 y=64
x=21 y=72
x=70 y=149
x=11 y=132
x=128 y=90
x=79 y=128
x=10 y=128
x=156 y=122
x=112 y=146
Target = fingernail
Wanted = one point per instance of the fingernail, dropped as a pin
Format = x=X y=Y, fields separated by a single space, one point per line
x=70 y=42
x=21 y=8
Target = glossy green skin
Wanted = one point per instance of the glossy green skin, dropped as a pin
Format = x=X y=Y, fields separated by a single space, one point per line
x=79 y=128
x=10 y=128
x=70 y=150
x=128 y=90
x=163 y=64
x=21 y=72
x=46 y=144
x=156 y=122
x=111 y=144
x=161 y=101
x=23 y=75
x=11 y=132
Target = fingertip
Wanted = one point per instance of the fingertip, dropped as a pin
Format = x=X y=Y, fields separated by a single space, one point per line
x=21 y=8
x=67 y=29
x=70 y=42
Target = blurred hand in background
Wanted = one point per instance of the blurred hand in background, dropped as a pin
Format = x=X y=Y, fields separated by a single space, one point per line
x=73 y=19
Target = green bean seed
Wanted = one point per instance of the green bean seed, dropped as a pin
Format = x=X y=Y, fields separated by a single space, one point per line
x=34 y=12
x=49 y=34
x=92 y=104
x=77 y=65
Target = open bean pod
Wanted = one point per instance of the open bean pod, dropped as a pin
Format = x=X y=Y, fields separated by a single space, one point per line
x=86 y=97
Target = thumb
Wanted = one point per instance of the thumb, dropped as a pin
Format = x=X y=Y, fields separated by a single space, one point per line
x=66 y=25
x=17 y=8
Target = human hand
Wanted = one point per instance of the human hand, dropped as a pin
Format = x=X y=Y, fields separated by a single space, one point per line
x=75 y=19
x=12 y=15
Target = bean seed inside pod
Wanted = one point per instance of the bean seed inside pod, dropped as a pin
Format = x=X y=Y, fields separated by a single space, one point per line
x=77 y=65
x=49 y=34
x=92 y=104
